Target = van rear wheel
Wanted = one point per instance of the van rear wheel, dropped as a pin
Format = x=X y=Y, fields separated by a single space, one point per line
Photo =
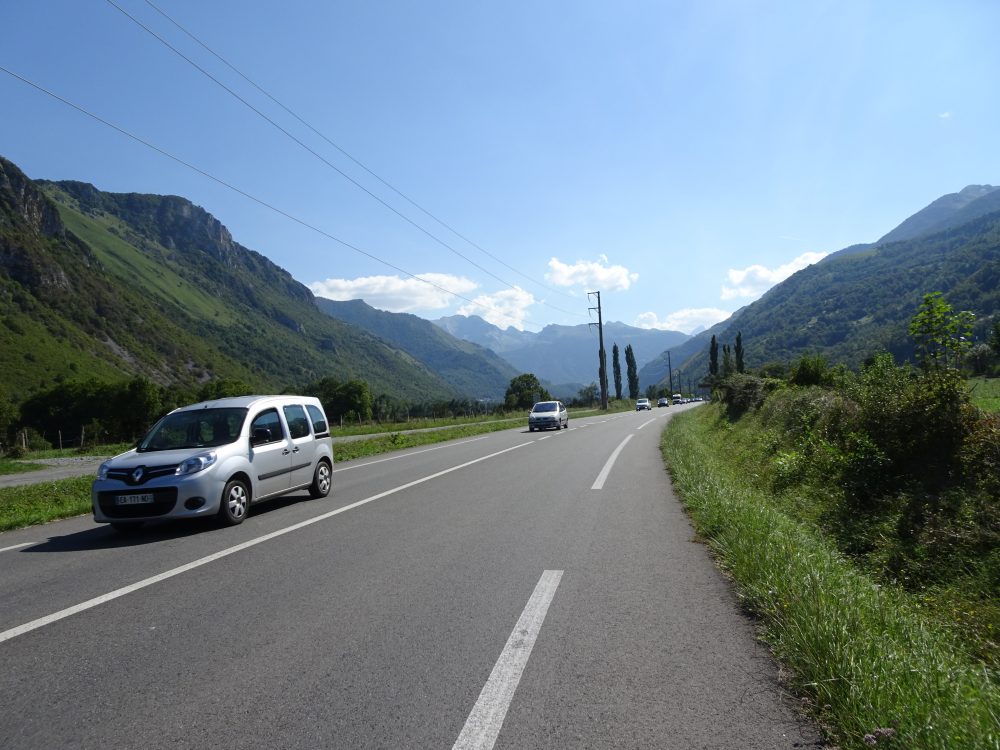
x=321 y=481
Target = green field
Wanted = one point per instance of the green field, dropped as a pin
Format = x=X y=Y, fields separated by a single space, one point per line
x=986 y=393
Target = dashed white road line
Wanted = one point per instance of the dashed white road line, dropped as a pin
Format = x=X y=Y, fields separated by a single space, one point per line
x=27 y=627
x=483 y=725
x=602 y=477
x=646 y=423
x=17 y=546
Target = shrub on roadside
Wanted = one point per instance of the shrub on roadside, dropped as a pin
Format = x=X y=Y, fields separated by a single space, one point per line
x=741 y=392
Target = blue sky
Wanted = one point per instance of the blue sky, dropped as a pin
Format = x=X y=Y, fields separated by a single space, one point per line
x=679 y=157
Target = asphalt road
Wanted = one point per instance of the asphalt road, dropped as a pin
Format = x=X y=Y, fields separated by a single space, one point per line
x=512 y=590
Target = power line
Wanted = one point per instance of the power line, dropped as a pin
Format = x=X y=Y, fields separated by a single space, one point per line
x=303 y=145
x=343 y=151
x=245 y=194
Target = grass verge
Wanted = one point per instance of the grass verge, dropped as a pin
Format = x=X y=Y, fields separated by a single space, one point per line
x=874 y=672
x=399 y=440
x=39 y=503
x=17 y=467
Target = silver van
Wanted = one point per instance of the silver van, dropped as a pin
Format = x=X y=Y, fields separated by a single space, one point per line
x=215 y=459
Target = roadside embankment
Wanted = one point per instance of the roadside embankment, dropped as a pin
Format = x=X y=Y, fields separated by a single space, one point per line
x=862 y=658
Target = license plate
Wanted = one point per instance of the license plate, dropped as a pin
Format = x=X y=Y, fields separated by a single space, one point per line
x=141 y=499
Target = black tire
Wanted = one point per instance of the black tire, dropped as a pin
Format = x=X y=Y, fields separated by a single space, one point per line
x=530 y=428
x=126 y=527
x=322 y=481
x=235 y=503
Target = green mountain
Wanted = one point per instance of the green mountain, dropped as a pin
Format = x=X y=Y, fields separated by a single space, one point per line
x=948 y=211
x=104 y=285
x=854 y=304
x=469 y=368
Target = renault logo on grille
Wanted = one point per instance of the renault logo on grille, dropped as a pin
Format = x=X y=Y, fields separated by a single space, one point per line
x=137 y=475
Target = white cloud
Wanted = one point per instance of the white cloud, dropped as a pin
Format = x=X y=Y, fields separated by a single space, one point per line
x=945 y=116
x=508 y=307
x=753 y=281
x=686 y=320
x=397 y=294
x=599 y=276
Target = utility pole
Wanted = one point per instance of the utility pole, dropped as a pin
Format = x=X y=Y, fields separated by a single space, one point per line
x=670 y=371
x=601 y=354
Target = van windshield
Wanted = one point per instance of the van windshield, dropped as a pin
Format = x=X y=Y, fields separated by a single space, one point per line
x=547 y=406
x=198 y=428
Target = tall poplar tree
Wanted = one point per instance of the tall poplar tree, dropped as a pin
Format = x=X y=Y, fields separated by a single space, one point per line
x=713 y=357
x=632 y=372
x=617 y=367
x=727 y=361
x=738 y=351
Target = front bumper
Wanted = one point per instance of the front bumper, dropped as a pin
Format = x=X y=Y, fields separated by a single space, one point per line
x=172 y=497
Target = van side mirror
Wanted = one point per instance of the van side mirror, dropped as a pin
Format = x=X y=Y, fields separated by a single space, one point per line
x=260 y=436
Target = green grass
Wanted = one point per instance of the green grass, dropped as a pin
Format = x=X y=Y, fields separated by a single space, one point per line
x=39 y=503
x=17 y=467
x=399 y=440
x=862 y=656
x=126 y=262
x=92 y=451
x=986 y=393
x=376 y=428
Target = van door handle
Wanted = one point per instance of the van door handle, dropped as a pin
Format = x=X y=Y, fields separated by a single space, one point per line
x=285 y=452
x=295 y=449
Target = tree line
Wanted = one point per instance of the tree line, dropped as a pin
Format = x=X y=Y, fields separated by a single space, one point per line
x=93 y=412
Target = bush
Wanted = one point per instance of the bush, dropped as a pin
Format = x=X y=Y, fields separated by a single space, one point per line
x=741 y=392
x=15 y=451
x=918 y=421
x=814 y=369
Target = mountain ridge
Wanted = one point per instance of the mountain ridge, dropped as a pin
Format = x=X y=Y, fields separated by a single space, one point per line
x=114 y=285
x=855 y=303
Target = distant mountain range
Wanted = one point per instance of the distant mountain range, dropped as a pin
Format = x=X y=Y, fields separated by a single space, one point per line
x=859 y=301
x=566 y=355
x=470 y=368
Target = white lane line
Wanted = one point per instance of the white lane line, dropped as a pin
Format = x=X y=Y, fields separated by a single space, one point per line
x=404 y=455
x=483 y=725
x=646 y=423
x=17 y=546
x=104 y=598
x=543 y=438
x=602 y=477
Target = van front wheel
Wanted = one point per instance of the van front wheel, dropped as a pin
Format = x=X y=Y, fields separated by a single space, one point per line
x=235 y=503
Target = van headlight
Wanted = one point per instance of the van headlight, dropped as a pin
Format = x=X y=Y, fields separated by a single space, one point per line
x=102 y=471
x=196 y=463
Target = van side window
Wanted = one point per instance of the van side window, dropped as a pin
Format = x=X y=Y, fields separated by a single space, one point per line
x=320 y=427
x=298 y=425
x=267 y=420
